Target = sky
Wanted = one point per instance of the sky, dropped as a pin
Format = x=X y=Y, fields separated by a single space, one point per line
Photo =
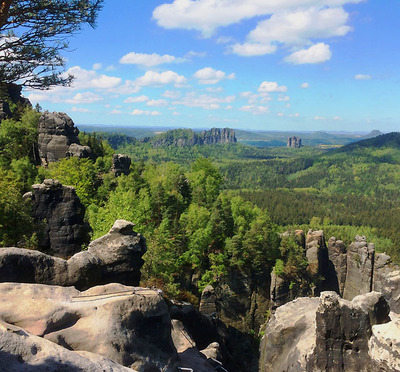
x=280 y=65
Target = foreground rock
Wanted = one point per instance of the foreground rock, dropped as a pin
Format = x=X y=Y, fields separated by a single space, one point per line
x=130 y=326
x=58 y=138
x=58 y=209
x=115 y=257
x=325 y=334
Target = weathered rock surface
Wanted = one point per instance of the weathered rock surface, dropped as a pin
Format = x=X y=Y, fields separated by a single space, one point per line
x=115 y=257
x=61 y=213
x=338 y=257
x=324 y=334
x=58 y=138
x=344 y=328
x=290 y=337
x=391 y=291
x=12 y=93
x=120 y=164
x=383 y=266
x=294 y=142
x=131 y=326
x=360 y=263
x=207 y=301
x=22 y=351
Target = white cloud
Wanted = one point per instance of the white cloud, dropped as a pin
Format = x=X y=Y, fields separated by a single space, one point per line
x=85 y=79
x=152 y=78
x=305 y=85
x=362 y=77
x=271 y=86
x=115 y=112
x=86 y=97
x=253 y=49
x=136 y=99
x=337 y=118
x=255 y=110
x=79 y=109
x=97 y=66
x=280 y=114
x=171 y=94
x=283 y=98
x=214 y=89
x=175 y=113
x=157 y=102
x=204 y=101
x=192 y=53
x=208 y=75
x=149 y=60
x=317 y=53
x=142 y=112
x=319 y=118
x=207 y=15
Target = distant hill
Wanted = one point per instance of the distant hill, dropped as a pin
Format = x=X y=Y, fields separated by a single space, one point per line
x=384 y=140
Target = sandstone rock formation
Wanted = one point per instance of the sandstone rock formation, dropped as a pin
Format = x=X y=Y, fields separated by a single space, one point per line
x=323 y=334
x=58 y=138
x=130 y=326
x=120 y=164
x=61 y=213
x=115 y=257
x=11 y=93
x=338 y=257
x=294 y=142
x=207 y=301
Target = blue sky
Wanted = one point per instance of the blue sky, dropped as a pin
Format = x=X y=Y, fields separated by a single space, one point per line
x=251 y=64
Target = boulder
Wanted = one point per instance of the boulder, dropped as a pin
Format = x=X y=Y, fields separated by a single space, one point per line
x=57 y=132
x=120 y=164
x=131 y=326
x=360 y=263
x=115 y=257
x=290 y=336
x=58 y=209
x=22 y=351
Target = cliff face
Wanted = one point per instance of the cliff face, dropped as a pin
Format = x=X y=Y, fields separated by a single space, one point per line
x=294 y=142
x=188 y=137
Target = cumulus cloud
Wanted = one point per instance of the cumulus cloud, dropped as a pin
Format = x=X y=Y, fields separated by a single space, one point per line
x=317 y=53
x=171 y=94
x=207 y=102
x=153 y=78
x=271 y=86
x=255 y=109
x=305 y=85
x=149 y=60
x=208 y=75
x=283 y=98
x=97 y=66
x=319 y=118
x=157 y=102
x=79 y=109
x=362 y=77
x=85 y=79
x=115 y=112
x=86 y=97
x=136 y=99
x=143 y=112
x=283 y=22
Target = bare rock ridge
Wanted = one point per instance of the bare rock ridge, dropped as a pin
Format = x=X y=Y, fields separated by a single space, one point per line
x=115 y=257
x=61 y=213
x=188 y=137
x=294 y=142
x=58 y=138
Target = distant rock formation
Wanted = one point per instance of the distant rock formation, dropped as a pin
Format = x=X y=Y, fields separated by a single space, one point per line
x=187 y=137
x=325 y=334
x=61 y=213
x=115 y=257
x=58 y=138
x=120 y=164
x=294 y=142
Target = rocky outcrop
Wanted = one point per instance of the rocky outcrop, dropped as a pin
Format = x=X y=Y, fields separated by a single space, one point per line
x=59 y=211
x=323 y=334
x=188 y=137
x=391 y=290
x=115 y=257
x=120 y=164
x=208 y=300
x=338 y=257
x=130 y=326
x=10 y=93
x=58 y=138
x=294 y=142
x=360 y=263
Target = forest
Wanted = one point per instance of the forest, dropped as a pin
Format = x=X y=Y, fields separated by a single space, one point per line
x=207 y=210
